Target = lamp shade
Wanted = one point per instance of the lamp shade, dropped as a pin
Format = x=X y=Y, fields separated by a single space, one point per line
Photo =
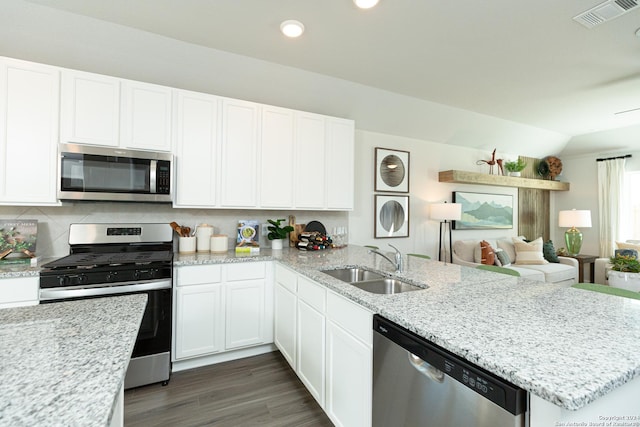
x=574 y=218
x=446 y=211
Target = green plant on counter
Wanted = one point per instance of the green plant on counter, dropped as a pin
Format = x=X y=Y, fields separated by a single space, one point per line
x=625 y=263
x=516 y=166
x=277 y=232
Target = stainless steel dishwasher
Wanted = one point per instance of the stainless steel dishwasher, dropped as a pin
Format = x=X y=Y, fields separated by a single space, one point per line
x=417 y=383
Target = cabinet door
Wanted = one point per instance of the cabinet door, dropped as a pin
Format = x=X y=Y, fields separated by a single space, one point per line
x=199 y=320
x=239 y=153
x=196 y=150
x=29 y=114
x=145 y=116
x=340 y=162
x=245 y=312
x=276 y=159
x=19 y=291
x=309 y=161
x=311 y=348
x=90 y=109
x=285 y=323
x=349 y=378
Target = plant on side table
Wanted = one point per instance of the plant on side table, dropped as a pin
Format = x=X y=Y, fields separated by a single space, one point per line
x=514 y=168
x=625 y=272
x=277 y=233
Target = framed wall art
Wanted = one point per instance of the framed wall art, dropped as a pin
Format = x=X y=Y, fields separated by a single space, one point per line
x=392 y=171
x=483 y=211
x=392 y=216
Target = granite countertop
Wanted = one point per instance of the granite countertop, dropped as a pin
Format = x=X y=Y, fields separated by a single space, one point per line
x=567 y=346
x=64 y=363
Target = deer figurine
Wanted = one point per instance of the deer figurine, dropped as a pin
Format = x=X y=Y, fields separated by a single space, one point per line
x=492 y=162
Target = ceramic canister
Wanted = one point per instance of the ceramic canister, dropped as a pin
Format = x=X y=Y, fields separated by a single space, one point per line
x=203 y=236
x=219 y=243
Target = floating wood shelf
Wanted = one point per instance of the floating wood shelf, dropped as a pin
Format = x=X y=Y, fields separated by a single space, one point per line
x=499 y=180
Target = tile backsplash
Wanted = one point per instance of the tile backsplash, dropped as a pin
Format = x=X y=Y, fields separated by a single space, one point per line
x=54 y=221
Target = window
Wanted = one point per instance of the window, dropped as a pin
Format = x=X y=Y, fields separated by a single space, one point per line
x=630 y=212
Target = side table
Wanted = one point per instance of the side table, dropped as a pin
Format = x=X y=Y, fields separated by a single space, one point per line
x=582 y=260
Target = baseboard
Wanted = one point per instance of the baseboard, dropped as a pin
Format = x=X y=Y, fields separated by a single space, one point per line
x=212 y=359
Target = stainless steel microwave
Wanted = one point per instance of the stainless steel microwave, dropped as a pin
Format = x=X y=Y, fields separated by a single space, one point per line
x=113 y=174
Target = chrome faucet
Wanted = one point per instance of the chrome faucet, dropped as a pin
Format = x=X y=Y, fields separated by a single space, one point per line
x=398 y=263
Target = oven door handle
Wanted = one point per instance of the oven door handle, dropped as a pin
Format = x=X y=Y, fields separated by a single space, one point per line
x=49 y=294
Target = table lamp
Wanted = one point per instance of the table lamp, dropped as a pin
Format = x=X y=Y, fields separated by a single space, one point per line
x=572 y=219
x=445 y=213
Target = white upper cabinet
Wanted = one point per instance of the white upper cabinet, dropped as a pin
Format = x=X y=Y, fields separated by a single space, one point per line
x=197 y=156
x=239 y=154
x=107 y=111
x=276 y=158
x=29 y=112
x=90 y=109
x=340 y=157
x=145 y=116
x=309 y=167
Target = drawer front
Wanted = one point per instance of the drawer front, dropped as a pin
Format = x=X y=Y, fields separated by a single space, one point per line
x=312 y=293
x=246 y=271
x=198 y=275
x=352 y=317
x=287 y=278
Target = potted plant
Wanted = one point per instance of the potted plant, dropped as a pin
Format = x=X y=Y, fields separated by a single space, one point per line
x=277 y=233
x=514 y=168
x=625 y=272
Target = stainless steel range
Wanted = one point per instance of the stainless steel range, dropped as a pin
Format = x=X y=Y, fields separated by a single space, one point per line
x=118 y=259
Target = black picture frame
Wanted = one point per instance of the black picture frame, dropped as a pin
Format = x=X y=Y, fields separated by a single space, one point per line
x=391 y=170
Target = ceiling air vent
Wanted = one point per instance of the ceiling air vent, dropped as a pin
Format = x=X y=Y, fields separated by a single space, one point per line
x=605 y=12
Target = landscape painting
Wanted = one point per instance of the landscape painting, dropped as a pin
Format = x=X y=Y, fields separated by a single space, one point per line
x=483 y=211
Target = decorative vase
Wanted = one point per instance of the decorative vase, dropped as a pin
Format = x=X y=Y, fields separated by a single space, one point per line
x=624 y=280
x=276 y=244
x=514 y=173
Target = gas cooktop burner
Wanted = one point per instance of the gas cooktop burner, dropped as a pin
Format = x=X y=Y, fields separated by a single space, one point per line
x=89 y=260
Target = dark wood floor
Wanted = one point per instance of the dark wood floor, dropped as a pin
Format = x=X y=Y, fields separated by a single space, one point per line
x=256 y=391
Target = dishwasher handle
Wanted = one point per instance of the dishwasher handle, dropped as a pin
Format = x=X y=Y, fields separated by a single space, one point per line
x=426 y=369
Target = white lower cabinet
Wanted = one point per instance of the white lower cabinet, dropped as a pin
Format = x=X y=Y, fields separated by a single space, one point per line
x=198 y=322
x=221 y=308
x=329 y=345
x=349 y=363
x=19 y=291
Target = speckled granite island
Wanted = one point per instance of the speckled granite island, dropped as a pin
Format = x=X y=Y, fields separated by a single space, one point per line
x=567 y=347
x=65 y=363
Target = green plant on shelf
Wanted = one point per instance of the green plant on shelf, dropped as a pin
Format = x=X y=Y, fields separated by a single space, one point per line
x=516 y=166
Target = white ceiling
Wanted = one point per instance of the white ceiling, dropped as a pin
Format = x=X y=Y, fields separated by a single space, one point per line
x=526 y=62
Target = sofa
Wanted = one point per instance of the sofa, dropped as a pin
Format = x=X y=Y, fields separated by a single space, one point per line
x=564 y=272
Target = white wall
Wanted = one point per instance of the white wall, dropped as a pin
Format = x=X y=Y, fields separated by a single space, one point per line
x=426 y=160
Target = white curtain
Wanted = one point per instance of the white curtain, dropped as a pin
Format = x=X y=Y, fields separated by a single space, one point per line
x=610 y=188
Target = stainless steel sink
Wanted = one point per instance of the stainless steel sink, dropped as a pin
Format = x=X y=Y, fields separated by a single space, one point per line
x=371 y=281
x=353 y=274
x=386 y=286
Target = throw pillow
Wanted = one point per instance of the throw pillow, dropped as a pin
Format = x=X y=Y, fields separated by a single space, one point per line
x=502 y=258
x=507 y=246
x=626 y=245
x=488 y=257
x=549 y=252
x=529 y=253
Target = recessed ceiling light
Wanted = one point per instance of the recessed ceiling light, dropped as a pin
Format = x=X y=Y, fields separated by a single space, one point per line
x=365 y=4
x=292 y=28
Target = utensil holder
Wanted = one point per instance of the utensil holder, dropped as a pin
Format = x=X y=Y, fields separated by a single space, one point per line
x=187 y=245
